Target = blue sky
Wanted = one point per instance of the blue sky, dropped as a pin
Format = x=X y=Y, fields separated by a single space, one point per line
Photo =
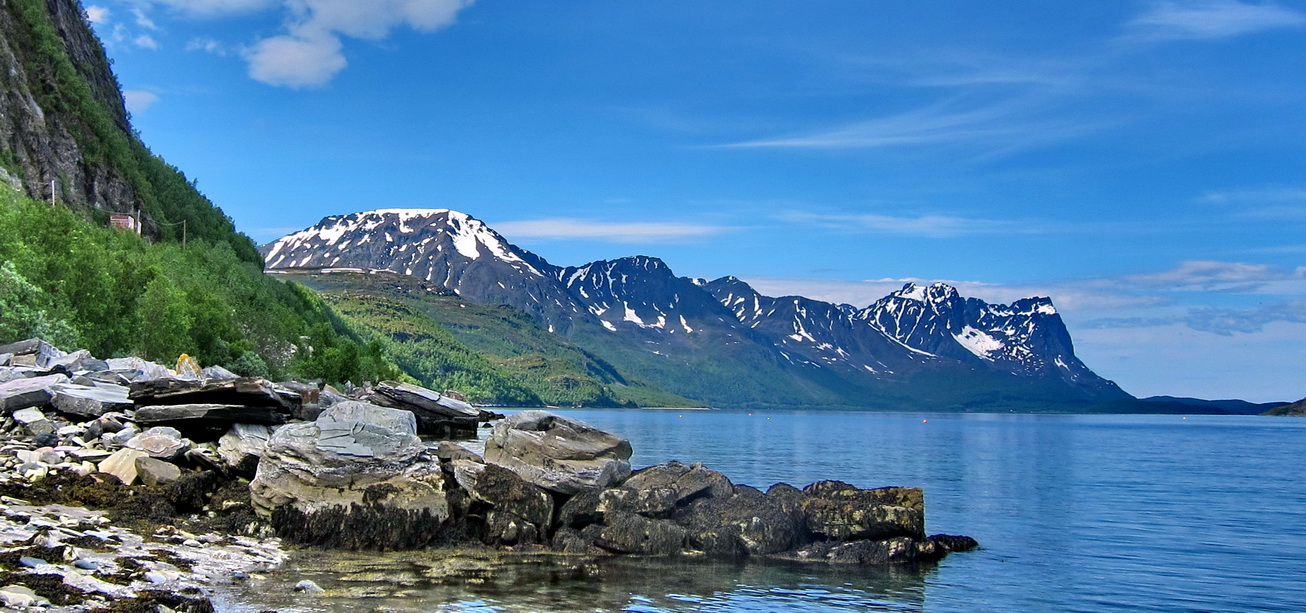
x=1141 y=162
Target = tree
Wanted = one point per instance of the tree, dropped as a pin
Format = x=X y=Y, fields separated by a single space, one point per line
x=22 y=315
x=165 y=320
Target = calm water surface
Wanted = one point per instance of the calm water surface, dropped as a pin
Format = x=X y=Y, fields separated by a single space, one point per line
x=1073 y=512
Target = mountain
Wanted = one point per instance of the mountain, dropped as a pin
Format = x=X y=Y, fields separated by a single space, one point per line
x=1296 y=409
x=721 y=341
x=1173 y=404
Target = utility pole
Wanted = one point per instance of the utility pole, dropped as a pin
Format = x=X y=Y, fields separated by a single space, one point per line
x=183 y=234
x=51 y=192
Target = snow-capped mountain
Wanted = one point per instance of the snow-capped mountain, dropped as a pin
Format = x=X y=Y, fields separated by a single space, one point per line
x=721 y=341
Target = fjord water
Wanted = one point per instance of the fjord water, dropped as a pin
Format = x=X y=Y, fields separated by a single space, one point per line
x=1073 y=513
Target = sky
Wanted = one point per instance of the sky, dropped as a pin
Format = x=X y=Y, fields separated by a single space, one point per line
x=1141 y=162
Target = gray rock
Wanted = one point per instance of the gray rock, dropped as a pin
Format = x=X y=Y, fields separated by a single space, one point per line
x=308 y=587
x=242 y=446
x=210 y=414
x=34 y=421
x=28 y=392
x=436 y=414
x=558 y=453
x=21 y=598
x=77 y=361
x=746 y=523
x=448 y=451
x=245 y=391
x=6 y=359
x=32 y=352
x=84 y=401
x=154 y=472
x=86 y=564
x=686 y=482
x=365 y=413
x=351 y=484
x=137 y=369
x=160 y=442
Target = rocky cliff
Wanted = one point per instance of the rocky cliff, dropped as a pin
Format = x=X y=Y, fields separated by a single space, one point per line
x=52 y=130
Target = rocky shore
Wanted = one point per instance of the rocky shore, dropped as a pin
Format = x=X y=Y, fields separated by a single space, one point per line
x=129 y=486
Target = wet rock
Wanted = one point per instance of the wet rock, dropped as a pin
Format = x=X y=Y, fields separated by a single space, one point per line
x=686 y=482
x=629 y=533
x=558 y=453
x=837 y=511
x=308 y=587
x=160 y=442
x=436 y=414
x=448 y=451
x=152 y=471
x=521 y=512
x=745 y=523
x=952 y=543
x=90 y=401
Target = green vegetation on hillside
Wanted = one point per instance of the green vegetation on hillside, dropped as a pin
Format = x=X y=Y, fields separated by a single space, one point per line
x=494 y=354
x=167 y=197
x=77 y=284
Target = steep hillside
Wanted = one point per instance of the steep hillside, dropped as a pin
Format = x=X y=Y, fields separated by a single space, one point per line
x=493 y=354
x=66 y=138
x=720 y=341
x=65 y=133
x=1296 y=409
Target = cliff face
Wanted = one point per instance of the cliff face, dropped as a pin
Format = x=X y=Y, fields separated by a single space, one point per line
x=54 y=125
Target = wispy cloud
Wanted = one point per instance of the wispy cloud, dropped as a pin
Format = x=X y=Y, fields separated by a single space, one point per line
x=1210 y=20
x=607 y=231
x=212 y=8
x=990 y=127
x=145 y=41
x=1262 y=203
x=1216 y=276
x=207 y=45
x=138 y=101
x=924 y=226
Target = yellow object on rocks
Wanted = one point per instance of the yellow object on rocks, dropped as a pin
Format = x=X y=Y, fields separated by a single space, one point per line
x=188 y=368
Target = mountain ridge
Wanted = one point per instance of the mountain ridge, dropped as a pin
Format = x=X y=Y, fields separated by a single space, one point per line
x=636 y=312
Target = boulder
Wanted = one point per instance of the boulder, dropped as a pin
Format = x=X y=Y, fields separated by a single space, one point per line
x=436 y=414
x=28 y=392
x=90 y=401
x=558 y=453
x=241 y=447
x=122 y=464
x=520 y=513
x=629 y=533
x=79 y=361
x=209 y=415
x=246 y=391
x=154 y=472
x=745 y=523
x=351 y=479
x=217 y=373
x=160 y=442
x=837 y=511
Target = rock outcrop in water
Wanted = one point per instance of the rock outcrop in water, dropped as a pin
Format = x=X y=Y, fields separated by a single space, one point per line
x=358 y=476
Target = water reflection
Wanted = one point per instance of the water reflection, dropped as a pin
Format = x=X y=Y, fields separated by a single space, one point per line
x=477 y=580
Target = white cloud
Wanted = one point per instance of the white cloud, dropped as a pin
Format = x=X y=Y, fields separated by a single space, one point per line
x=1210 y=20
x=139 y=100
x=616 y=232
x=311 y=53
x=145 y=41
x=1216 y=276
x=295 y=62
x=98 y=15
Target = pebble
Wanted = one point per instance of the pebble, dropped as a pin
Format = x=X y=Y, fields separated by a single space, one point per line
x=32 y=562
x=87 y=564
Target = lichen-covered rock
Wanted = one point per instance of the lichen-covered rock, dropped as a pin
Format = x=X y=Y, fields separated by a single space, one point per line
x=519 y=512
x=838 y=511
x=558 y=453
x=747 y=522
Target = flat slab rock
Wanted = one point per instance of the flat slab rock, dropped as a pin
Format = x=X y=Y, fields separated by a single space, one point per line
x=180 y=414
